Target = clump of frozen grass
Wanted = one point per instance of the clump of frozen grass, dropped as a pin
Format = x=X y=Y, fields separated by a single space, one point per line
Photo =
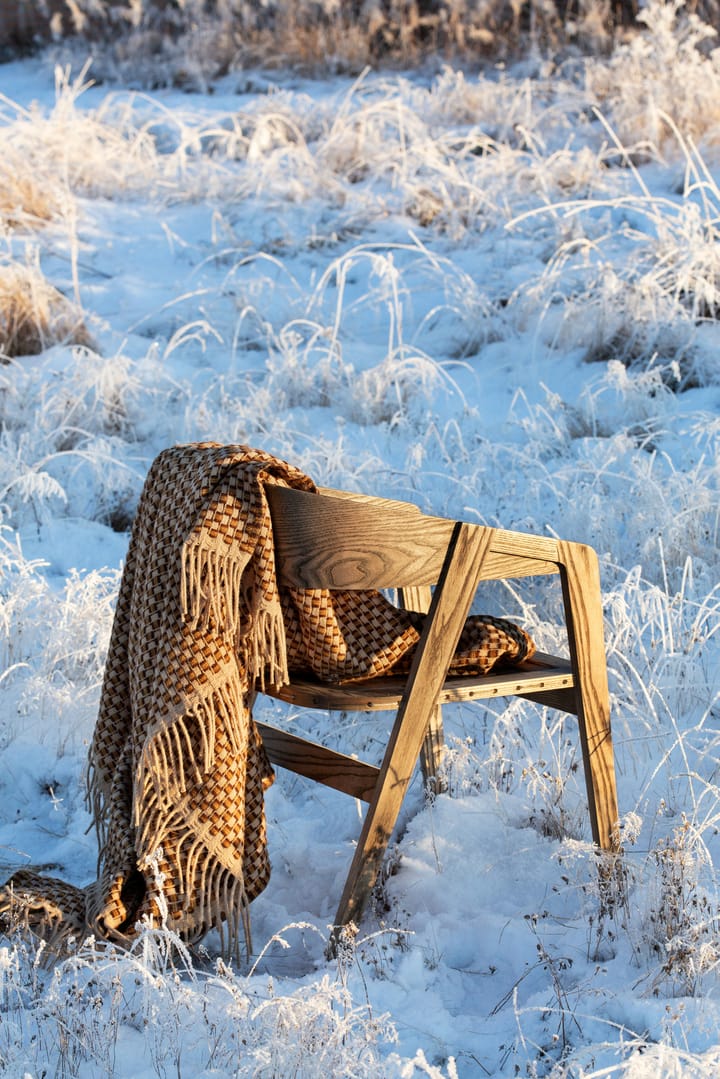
x=608 y=451
x=25 y=202
x=637 y=274
x=79 y=633
x=614 y=447
x=460 y=772
x=628 y=321
x=662 y=645
x=94 y=1008
x=96 y=156
x=432 y=183
x=75 y=426
x=24 y=593
x=391 y=292
x=323 y=356
x=639 y=1058
x=637 y=310
x=638 y=84
x=52 y=644
x=282 y=160
x=497 y=109
x=628 y=407
x=608 y=311
x=404 y=385
x=99 y=394
x=662 y=648
x=682 y=920
x=664 y=904
x=89 y=480
x=374 y=150
x=550 y=779
x=124 y=147
x=33 y=314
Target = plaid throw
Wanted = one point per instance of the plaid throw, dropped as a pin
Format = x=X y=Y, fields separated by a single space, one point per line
x=177 y=769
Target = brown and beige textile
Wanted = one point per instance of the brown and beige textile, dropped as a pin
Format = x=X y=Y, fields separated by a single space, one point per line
x=177 y=769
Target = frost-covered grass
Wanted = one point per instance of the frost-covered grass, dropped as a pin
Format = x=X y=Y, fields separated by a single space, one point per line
x=495 y=295
x=189 y=43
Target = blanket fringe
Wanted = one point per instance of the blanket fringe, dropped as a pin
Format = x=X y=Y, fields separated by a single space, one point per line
x=210 y=585
x=222 y=898
x=180 y=751
x=267 y=656
x=212 y=598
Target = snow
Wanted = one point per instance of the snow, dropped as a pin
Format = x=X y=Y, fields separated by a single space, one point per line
x=453 y=290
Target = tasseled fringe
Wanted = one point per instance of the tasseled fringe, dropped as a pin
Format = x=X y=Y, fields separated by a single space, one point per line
x=267 y=652
x=225 y=907
x=211 y=595
x=101 y=798
x=221 y=896
x=226 y=705
x=177 y=753
x=210 y=585
x=169 y=762
x=155 y=825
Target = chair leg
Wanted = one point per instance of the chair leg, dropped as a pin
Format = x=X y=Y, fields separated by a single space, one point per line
x=580 y=578
x=432 y=752
x=449 y=608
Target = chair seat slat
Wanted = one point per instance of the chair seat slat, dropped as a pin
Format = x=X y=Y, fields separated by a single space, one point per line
x=384 y=694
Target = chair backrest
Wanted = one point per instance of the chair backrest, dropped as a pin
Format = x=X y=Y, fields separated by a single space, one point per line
x=331 y=541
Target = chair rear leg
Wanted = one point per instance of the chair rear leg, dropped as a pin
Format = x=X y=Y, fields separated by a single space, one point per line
x=432 y=752
x=580 y=578
x=419 y=598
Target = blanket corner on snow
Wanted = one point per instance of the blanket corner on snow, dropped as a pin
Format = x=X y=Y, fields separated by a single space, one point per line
x=177 y=769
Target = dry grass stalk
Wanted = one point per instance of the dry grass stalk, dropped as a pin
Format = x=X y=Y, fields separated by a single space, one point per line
x=23 y=200
x=34 y=315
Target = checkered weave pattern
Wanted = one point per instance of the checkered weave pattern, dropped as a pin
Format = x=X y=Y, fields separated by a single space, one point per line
x=177 y=769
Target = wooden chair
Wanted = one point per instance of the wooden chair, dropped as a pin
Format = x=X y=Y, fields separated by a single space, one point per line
x=337 y=540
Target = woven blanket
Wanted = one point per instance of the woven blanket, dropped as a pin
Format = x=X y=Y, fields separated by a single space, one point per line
x=177 y=769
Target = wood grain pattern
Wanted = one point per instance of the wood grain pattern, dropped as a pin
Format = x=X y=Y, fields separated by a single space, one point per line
x=328 y=542
x=331 y=541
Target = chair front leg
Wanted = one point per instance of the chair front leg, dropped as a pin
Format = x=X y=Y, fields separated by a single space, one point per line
x=448 y=611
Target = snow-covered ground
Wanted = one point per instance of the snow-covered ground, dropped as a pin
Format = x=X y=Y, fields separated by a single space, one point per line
x=495 y=296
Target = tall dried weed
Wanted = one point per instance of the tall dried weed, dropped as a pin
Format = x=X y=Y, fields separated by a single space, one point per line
x=34 y=315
